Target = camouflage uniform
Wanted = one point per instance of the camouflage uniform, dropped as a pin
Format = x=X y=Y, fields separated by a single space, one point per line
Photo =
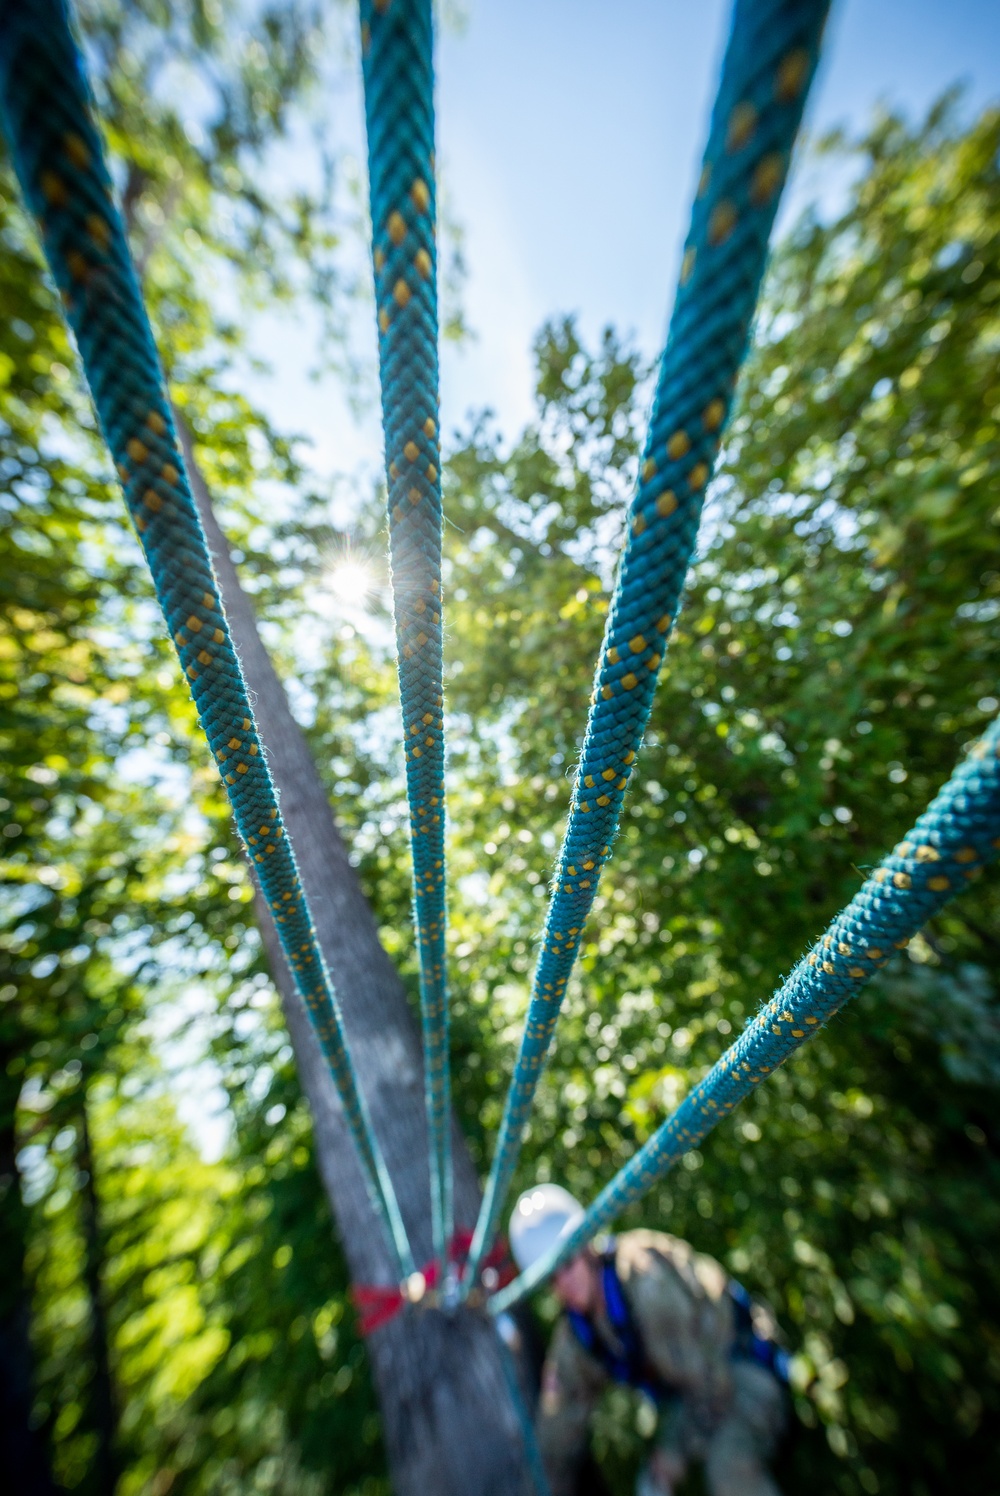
x=726 y=1411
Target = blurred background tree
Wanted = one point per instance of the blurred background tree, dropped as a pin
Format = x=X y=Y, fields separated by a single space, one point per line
x=188 y=1321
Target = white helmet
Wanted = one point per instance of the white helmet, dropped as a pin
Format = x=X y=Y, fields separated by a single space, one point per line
x=542 y=1216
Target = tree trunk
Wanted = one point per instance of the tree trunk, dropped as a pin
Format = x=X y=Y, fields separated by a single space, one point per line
x=24 y=1455
x=449 y=1422
x=102 y=1392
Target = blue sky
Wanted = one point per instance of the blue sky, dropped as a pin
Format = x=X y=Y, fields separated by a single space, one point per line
x=569 y=136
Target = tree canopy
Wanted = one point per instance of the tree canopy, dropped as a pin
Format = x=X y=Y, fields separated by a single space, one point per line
x=189 y=1317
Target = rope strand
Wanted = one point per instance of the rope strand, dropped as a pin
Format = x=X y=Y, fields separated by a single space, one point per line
x=951 y=842
x=397 y=60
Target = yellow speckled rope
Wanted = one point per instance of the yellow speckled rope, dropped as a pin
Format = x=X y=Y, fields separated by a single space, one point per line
x=396 y=44
x=952 y=841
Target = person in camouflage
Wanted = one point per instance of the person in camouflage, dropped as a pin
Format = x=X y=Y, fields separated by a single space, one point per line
x=654 y=1314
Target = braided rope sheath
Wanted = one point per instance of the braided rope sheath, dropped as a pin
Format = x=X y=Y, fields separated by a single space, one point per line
x=766 y=74
x=955 y=837
x=397 y=59
x=57 y=151
x=529 y=1438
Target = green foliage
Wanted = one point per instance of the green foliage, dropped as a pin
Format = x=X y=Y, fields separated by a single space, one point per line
x=835 y=654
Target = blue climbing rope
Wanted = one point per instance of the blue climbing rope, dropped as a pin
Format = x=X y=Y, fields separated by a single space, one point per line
x=529 y=1439
x=766 y=74
x=397 y=61
x=951 y=842
x=57 y=152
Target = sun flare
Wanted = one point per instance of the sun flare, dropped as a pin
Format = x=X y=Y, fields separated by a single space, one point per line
x=351 y=581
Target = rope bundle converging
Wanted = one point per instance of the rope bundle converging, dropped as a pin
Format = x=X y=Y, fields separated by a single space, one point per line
x=46 y=110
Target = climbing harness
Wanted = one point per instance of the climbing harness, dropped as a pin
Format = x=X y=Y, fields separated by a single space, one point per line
x=57 y=151
x=766 y=74
x=397 y=61
x=630 y=1364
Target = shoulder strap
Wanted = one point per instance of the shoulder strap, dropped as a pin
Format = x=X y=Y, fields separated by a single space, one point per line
x=748 y=1345
x=632 y=1367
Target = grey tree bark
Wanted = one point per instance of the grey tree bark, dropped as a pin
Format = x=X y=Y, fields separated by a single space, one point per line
x=450 y=1426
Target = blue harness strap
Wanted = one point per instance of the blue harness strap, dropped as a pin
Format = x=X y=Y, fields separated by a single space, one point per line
x=749 y=1345
x=631 y=1365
